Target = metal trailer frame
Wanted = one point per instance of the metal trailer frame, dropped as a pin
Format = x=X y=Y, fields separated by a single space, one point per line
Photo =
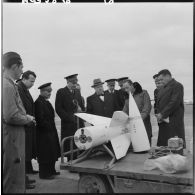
x=99 y=172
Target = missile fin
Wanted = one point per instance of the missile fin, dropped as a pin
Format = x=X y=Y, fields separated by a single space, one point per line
x=120 y=145
x=94 y=119
x=119 y=118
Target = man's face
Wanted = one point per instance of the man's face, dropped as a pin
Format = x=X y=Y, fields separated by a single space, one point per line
x=128 y=88
x=29 y=82
x=158 y=82
x=99 y=89
x=111 y=86
x=18 y=70
x=46 y=92
x=120 y=83
x=72 y=83
x=163 y=79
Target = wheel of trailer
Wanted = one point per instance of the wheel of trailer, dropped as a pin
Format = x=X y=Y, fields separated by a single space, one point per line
x=91 y=183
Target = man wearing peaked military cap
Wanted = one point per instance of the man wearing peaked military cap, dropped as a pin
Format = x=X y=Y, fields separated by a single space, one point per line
x=48 y=147
x=69 y=101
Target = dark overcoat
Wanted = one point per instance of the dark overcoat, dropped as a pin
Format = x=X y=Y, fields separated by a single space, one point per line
x=144 y=105
x=155 y=100
x=170 y=104
x=48 y=147
x=13 y=120
x=110 y=102
x=121 y=97
x=30 y=131
x=95 y=105
x=65 y=108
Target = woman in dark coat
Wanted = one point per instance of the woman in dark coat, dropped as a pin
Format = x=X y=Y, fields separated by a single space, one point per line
x=142 y=100
x=48 y=147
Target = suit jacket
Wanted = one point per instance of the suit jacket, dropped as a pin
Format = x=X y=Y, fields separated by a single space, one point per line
x=48 y=147
x=30 y=131
x=170 y=104
x=14 y=118
x=110 y=103
x=144 y=105
x=65 y=108
x=95 y=105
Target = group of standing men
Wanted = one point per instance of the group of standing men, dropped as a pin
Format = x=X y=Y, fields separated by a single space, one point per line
x=34 y=122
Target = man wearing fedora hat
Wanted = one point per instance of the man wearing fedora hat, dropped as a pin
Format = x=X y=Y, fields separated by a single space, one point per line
x=95 y=102
x=69 y=101
x=111 y=94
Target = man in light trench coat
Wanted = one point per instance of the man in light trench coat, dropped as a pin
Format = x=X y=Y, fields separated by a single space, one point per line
x=13 y=120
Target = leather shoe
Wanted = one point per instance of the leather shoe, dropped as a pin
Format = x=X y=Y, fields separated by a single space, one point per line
x=46 y=177
x=32 y=172
x=30 y=186
x=30 y=181
x=56 y=173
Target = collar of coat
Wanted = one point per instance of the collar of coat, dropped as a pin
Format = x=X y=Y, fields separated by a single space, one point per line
x=170 y=83
x=8 y=77
x=21 y=84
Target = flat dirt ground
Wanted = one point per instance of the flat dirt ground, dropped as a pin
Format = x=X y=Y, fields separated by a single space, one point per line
x=67 y=182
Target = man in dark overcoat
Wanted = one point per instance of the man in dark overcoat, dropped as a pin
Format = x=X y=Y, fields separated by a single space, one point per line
x=110 y=98
x=122 y=94
x=158 y=86
x=14 y=118
x=68 y=102
x=48 y=147
x=95 y=102
x=170 y=105
x=24 y=84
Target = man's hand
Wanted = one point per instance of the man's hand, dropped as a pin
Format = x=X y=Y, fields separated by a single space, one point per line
x=159 y=117
x=31 y=120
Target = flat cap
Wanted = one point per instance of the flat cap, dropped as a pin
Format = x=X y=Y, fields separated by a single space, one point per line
x=164 y=72
x=110 y=80
x=71 y=76
x=44 y=85
x=156 y=75
x=122 y=78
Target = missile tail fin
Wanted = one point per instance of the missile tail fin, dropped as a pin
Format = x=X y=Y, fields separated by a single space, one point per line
x=120 y=145
x=119 y=118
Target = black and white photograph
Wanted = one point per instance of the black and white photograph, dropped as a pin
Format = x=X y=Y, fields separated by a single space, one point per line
x=97 y=97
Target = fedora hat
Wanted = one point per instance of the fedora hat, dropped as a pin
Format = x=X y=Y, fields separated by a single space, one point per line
x=97 y=82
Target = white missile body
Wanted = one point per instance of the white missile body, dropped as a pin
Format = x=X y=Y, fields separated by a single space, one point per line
x=121 y=130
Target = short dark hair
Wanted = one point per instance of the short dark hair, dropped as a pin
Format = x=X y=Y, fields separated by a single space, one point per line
x=11 y=58
x=26 y=74
x=164 y=72
x=138 y=88
x=156 y=75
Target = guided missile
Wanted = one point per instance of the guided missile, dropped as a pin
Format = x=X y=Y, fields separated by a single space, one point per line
x=120 y=130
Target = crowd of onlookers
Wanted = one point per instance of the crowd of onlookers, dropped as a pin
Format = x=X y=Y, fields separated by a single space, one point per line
x=29 y=130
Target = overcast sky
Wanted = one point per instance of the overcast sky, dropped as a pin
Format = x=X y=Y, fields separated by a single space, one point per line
x=100 y=41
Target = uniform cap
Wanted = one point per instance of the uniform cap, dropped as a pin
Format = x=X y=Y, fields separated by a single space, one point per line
x=122 y=78
x=44 y=85
x=71 y=76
